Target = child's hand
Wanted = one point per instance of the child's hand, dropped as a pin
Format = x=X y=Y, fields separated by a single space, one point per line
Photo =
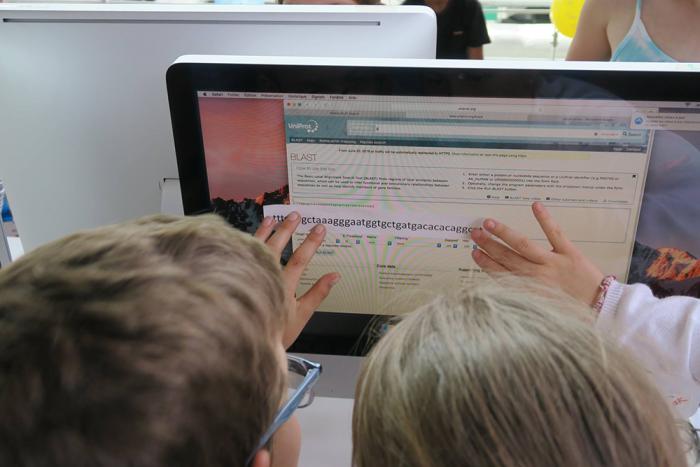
x=303 y=307
x=564 y=266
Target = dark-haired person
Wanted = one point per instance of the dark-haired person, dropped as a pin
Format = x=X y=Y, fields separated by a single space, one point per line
x=461 y=28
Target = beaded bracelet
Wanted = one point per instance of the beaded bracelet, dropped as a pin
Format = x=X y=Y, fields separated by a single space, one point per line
x=602 y=291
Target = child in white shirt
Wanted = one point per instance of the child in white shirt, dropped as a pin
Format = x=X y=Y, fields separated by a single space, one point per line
x=663 y=333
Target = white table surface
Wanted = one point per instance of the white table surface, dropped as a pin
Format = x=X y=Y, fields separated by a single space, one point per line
x=326 y=430
x=326 y=427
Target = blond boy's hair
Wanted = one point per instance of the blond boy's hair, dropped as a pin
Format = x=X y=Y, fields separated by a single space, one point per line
x=151 y=343
x=499 y=377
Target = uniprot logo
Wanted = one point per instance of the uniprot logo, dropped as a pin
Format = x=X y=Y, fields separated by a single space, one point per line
x=310 y=126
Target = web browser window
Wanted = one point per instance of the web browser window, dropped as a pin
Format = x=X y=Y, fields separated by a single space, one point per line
x=400 y=182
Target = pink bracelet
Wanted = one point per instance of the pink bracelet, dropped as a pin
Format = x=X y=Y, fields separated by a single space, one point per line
x=602 y=291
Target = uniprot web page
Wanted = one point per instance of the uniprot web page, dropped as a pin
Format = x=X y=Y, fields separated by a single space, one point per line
x=400 y=182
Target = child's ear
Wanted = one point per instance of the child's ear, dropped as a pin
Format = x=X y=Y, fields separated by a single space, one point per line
x=261 y=459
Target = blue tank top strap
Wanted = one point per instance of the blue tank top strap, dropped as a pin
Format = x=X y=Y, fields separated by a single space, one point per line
x=637 y=45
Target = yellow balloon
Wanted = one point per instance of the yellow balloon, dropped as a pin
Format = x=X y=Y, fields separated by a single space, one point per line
x=564 y=15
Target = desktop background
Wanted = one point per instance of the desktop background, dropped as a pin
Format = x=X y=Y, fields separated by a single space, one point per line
x=667 y=246
x=244 y=150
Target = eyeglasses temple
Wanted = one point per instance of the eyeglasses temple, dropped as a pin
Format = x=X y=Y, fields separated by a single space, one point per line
x=287 y=410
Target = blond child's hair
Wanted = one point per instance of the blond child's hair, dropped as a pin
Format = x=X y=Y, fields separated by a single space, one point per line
x=150 y=343
x=498 y=376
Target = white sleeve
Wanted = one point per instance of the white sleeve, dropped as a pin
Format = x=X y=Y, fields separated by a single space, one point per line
x=664 y=334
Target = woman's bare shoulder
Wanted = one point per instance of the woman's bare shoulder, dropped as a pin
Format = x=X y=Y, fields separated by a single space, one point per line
x=601 y=26
x=609 y=9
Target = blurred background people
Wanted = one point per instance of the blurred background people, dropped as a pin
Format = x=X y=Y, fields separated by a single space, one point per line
x=330 y=2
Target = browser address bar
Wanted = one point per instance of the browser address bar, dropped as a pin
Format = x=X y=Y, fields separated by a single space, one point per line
x=388 y=128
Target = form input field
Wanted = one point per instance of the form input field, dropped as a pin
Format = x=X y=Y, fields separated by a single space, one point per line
x=387 y=128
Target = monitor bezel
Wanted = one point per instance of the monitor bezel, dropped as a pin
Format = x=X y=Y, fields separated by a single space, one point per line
x=509 y=81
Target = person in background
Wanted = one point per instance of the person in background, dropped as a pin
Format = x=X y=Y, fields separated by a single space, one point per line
x=664 y=334
x=638 y=31
x=500 y=376
x=461 y=28
x=330 y=2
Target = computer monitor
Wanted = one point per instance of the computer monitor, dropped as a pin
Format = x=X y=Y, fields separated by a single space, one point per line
x=85 y=134
x=401 y=158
